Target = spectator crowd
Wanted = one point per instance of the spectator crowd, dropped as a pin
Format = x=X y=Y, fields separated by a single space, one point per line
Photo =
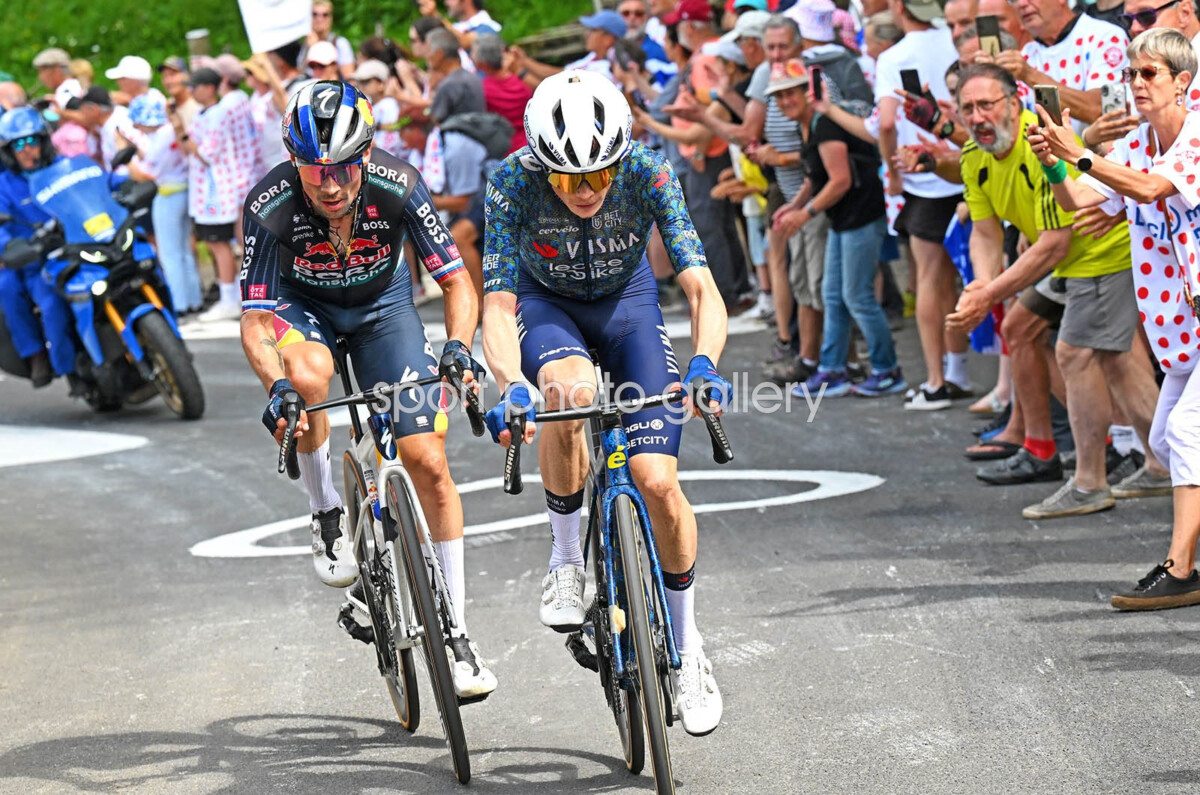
x=846 y=165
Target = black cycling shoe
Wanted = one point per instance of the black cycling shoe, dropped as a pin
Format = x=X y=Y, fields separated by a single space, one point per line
x=1021 y=467
x=1160 y=590
x=39 y=370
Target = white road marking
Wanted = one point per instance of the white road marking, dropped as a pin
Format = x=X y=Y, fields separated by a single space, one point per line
x=22 y=445
x=231 y=329
x=830 y=483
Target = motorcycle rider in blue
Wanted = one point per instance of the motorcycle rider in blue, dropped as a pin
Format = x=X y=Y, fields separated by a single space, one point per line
x=568 y=219
x=24 y=148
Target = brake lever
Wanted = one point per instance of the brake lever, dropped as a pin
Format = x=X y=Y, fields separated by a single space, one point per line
x=512 y=456
x=722 y=452
x=287 y=448
x=454 y=374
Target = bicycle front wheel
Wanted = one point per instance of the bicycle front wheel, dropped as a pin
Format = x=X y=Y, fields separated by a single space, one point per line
x=379 y=593
x=625 y=702
x=645 y=660
x=402 y=507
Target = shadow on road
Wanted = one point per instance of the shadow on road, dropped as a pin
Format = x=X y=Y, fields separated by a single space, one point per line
x=302 y=753
x=863 y=600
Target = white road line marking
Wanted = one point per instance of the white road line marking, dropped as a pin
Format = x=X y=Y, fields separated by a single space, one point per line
x=22 y=445
x=830 y=483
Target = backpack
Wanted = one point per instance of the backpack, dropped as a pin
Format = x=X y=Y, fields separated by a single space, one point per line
x=490 y=129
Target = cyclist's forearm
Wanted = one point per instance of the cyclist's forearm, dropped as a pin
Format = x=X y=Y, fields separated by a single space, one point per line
x=710 y=322
x=261 y=348
x=462 y=307
x=501 y=345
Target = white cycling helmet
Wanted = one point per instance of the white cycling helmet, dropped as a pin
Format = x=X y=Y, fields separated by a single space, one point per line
x=578 y=122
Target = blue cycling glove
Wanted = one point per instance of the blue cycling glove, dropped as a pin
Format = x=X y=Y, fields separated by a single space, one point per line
x=715 y=387
x=274 y=410
x=518 y=399
x=462 y=358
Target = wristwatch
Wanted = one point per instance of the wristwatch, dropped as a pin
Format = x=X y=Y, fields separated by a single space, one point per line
x=1084 y=164
x=946 y=130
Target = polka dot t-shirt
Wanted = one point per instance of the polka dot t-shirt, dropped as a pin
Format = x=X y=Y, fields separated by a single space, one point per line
x=1164 y=252
x=1089 y=54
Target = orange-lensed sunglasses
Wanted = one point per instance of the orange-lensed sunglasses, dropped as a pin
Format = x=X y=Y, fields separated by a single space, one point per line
x=569 y=183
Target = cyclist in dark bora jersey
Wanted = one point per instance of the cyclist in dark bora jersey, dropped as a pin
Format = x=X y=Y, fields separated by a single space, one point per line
x=324 y=236
x=568 y=218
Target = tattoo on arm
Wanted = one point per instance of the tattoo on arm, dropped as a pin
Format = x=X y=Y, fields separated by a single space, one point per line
x=270 y=343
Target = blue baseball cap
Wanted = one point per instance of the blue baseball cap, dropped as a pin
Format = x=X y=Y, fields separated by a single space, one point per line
x=148 y=110
x=757 y=5
x=607 y=20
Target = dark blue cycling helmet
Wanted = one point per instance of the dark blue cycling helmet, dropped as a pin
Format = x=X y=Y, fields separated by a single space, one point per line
x=328 y=122
x=24 y=122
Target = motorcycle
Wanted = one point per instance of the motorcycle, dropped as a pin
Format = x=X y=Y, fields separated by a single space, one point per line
x=127 y=336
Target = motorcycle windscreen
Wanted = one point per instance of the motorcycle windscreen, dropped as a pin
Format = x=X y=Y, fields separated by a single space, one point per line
x=75 y=190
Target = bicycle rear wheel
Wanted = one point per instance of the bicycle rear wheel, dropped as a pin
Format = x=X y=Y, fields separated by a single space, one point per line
x=433 y=646
x=625 y=704
x=645 y=661
x=395 y=664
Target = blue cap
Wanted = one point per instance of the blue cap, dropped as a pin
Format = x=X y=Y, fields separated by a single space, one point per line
x=148 y=110
x=607 y=20
x=758 y=5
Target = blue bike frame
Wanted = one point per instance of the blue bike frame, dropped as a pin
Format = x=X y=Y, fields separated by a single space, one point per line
x=612 y=479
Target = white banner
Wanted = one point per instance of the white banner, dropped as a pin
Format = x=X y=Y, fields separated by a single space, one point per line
x=274 y=23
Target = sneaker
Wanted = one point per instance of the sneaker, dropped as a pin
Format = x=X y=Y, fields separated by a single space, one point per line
x=782 y=351
x=956 y=392
x=925 y=400
x=1070 y=501
x=1021 y=467
x=220 y=311
x=1143 y=484
x=332 y=556
x=996 y=424
x=794 y=371
x=1069 y=459
x=562 y=598
x=697 y=698
x=835 y=384
x=1120 y=468
x=856 y=373
x=763 y=309
x=1159 y=590
x=880 y=384
x=472 y=678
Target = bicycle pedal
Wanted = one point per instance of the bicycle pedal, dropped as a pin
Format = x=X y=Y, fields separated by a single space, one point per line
x=353 y=628
x=580 y=651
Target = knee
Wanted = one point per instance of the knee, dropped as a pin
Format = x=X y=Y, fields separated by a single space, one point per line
x=427 y=465
x=310 y=373
x=658 y=487
x=569 y=393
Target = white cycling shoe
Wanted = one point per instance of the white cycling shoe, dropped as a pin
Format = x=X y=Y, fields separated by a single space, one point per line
x=472 y=678
x=332 y=556
x=697 y=698
x=562 y=598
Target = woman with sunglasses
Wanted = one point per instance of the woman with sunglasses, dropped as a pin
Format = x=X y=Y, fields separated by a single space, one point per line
x=325 y=235
x=1153 y=176
x=568 y=219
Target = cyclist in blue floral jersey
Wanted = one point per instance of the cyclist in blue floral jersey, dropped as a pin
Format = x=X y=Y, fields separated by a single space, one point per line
x=568 y=220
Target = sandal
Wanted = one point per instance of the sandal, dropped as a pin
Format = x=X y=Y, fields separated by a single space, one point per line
x=989 y=404
x=991 y=451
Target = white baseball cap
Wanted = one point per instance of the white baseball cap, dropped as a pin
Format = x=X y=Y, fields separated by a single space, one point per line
x=133 y=67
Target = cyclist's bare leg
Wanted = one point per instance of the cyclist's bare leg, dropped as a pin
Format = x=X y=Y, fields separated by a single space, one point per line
x=309 y=366
x=424 y=457
x=562 y=453
x=674 y=525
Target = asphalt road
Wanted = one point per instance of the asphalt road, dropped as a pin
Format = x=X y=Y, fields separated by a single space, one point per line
x=879 y=621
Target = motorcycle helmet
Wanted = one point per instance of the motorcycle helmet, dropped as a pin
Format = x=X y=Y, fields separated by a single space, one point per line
x=328 y=122
x=19 y=124
x=578 y=122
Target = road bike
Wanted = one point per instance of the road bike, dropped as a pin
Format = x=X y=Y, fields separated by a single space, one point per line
x=401 y=591
x=627 y=636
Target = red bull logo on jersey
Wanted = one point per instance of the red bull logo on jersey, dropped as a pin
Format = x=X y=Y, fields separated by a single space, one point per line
x=362 y=243
x=323 y=249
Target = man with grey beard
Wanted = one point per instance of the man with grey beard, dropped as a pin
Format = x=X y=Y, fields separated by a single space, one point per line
x=1098 y=346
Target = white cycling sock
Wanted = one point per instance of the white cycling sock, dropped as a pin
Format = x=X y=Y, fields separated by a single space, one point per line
x=565 y=513
x=956 y=369
x=230 y=293
x=317 y=476
x=450 y=557
x=681 y=601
